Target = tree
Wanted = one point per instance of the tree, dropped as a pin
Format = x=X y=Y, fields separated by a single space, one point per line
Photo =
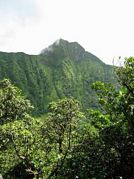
x=118 y=137
x=13 y=105
x=67 y=143
x=60 y=132
x=32 y=146
x=16 y=136
x=109 y=154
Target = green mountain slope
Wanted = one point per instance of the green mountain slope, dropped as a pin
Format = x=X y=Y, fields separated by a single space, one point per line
x=63 y=69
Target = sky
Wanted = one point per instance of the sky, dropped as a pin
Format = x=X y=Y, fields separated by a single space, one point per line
x=103 y=27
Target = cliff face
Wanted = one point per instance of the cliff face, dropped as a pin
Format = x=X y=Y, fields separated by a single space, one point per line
x=62 y=69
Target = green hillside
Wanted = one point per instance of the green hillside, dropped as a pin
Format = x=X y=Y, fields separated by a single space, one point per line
x=63 y=69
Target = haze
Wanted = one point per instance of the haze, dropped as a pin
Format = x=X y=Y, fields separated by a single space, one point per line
x=103 y=27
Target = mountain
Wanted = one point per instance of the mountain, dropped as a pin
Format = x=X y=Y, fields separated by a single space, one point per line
x=62 y=69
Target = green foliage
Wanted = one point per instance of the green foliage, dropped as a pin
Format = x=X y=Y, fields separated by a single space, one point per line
x=66 y=70
x=109 y=154
x=98 y=119
x=59 y=132
x=13 y=105
x=66 y=143
x=16 y=132
x=35 y=147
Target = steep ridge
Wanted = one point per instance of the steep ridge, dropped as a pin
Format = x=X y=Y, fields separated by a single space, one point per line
x=62 y=69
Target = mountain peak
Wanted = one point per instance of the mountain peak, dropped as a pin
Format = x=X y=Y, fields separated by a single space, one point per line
x=61 y=49
x=64 y=43
x=60 y=41
x=50 y=48
x=67 y=49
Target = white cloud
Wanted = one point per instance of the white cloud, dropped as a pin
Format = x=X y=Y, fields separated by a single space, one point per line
x=105 y=28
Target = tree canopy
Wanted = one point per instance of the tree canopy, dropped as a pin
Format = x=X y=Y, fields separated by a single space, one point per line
x=66 y=142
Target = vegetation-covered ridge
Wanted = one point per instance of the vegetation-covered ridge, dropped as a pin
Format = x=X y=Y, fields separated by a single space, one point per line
x=63 y=69
x=68 y=143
